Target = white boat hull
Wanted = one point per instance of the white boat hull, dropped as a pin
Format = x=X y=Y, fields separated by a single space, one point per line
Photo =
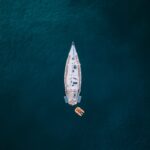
x=72 y=77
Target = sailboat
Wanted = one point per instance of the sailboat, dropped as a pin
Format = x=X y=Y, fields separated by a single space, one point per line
x=72 y=79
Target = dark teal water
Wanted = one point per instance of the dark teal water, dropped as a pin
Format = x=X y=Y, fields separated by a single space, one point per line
x=112 y=40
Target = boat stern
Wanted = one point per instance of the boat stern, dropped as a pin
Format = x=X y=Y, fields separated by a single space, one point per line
x=72 y=101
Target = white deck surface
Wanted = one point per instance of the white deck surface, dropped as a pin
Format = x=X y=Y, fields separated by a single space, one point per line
x=72 y=77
